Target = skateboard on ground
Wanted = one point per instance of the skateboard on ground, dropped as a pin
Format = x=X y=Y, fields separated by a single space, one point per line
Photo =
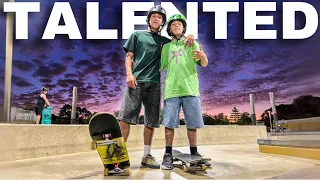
x=185 y=159
x=46 y=115
x=107 y=139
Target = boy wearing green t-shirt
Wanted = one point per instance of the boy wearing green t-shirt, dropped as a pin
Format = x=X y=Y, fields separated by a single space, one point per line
x=181 y=87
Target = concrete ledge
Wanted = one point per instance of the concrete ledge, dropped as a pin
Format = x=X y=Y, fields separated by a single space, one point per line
x=32 y=141
x=303 y=125
x=309 y=153
x=300 y=140
x=312 y=119
x=304 y=145
x=290 y=143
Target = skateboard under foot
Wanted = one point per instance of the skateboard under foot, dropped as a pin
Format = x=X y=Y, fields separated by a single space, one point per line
x=188 y=162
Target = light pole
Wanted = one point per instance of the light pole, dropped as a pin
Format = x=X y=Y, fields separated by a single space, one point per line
x=8 y=67
x=253 y=114
x=270 y=121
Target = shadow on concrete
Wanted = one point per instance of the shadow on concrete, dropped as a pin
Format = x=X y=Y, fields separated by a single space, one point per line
x=147 y=173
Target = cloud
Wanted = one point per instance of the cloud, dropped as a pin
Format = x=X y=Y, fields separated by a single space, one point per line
x=51 y=86
x=24 y=66
x=20 y=82
x=88 y=67
x=67 y=44
x=85 y=96
x=46 y=80
x=43 y=56
x=85 y=50
x=116 y=62
x=261 y=82
x=237 y=97
x=70 y=75
x=39 y=48
x=82 y=63
x=67 y=59
x=37 y=62
x=49 y=71
x=303 y=70
x=69 y=83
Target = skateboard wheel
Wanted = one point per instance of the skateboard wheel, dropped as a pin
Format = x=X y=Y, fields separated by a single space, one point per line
x=185 y=168
x=128 y=172
x=93 y=145
x=105 y=172
x=203 y=167
x=120 y=141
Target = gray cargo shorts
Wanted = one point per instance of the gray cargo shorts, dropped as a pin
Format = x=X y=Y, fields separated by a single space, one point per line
x=147 y=94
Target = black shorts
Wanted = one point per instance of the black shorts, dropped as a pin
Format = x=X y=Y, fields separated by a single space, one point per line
x=149 y=95
x=39 y=110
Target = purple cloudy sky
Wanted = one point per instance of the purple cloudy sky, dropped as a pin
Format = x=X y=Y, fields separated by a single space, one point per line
x=236 y=67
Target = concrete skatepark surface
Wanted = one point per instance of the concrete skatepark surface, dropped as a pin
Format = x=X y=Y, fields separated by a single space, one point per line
x=229 y=161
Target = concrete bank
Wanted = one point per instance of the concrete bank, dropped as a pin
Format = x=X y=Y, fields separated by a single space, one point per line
x=33 y=141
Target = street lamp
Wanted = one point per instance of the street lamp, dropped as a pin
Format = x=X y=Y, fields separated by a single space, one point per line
x=8 y=68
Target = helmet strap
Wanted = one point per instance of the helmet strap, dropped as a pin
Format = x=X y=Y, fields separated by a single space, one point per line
x=159 y=31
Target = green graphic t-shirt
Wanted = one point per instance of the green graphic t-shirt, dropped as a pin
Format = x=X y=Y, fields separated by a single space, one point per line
x=146 y=47
x=182 y=77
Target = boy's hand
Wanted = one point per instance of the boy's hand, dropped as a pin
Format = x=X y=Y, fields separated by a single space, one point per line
x=199 y=54
x=131 y=81
x=189 y=40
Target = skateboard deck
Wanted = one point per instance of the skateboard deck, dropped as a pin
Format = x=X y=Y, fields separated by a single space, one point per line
x=107 y=139
x=46 y=115
x=188 y=159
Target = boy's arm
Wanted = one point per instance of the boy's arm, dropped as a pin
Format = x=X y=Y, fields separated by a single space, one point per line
x=129 y=60
x=164 y=58
x=130 y=49
x=200 y=55
x=131 y=80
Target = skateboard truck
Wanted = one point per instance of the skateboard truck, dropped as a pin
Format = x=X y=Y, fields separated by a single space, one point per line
x=118 y=170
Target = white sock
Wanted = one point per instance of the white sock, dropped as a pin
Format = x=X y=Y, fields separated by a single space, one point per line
x=147 y=149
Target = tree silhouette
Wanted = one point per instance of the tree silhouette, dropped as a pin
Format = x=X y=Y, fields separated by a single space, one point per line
x=245 y=119
x=219 y=119
x=83 y=115
x=306 y=106
x=301 y=107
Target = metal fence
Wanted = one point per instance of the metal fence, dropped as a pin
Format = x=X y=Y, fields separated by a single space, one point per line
x=22 y=116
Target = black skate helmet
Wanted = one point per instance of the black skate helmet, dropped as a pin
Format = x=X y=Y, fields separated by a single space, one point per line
x=159 y=10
